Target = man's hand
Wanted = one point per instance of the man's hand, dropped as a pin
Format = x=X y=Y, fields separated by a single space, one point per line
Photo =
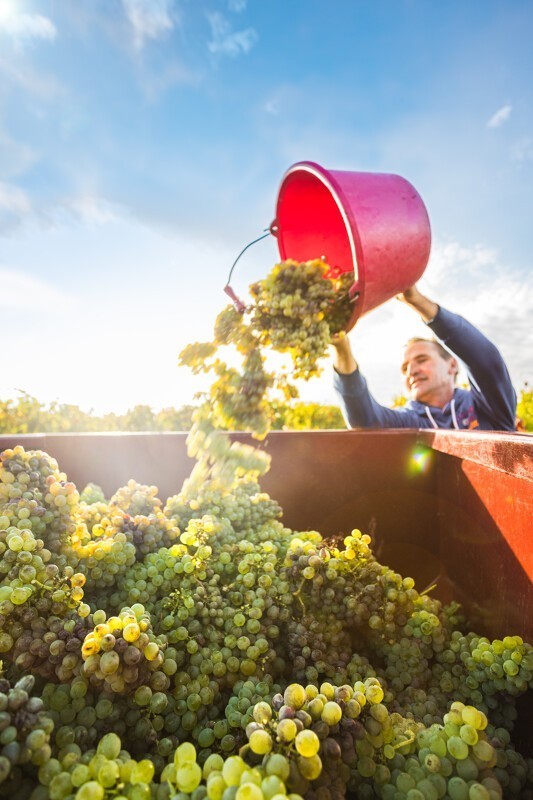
x=345 y=362
x=414 y=299
x=410 y=296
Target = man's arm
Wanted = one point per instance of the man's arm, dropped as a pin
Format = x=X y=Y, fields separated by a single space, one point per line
x=345 y=362
x=359 y=408
x=489 y=378
x=427 y=309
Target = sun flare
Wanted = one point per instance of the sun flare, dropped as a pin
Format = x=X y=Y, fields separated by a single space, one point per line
x=7 y=10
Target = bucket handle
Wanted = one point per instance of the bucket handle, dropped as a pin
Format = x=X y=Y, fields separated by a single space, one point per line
x=273 y=229
x=237 y=302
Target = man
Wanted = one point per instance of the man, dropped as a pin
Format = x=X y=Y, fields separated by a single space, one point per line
x=429 y=372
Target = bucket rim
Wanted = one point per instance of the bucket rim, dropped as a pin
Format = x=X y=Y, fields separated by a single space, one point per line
x=328 y=180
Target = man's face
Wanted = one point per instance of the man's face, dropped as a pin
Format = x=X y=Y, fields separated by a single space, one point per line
x=428 y=377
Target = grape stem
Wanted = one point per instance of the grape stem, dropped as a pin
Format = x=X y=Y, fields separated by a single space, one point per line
x=298 y=593
x=402 y=744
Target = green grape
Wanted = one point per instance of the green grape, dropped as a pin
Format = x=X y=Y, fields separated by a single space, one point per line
x=483 y=750
x=213 y=763
x=457 y=747
x=140 y=791
x=468 y=734
x=216 y=786
x=188 y=776
x=331 y=713
x=458 y=789
x=374 y=694
x=295 y=695
x=310 y=767
x=109 y=746
x=467 y=769
x=272 y=785
x=307 y=743
x=185 y=754
x=262 y=713
x=278 y=765
x=260 y=742
x=478 y=792
x=249 y=791
x=206 y=737
x=142 y=772
x=471 y=716
x=108 y=774
x=90 y=791
x=80 y=775
x=287 y=730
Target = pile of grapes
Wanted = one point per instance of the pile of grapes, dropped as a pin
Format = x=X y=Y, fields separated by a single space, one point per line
x=296 y=310
x=199 y=649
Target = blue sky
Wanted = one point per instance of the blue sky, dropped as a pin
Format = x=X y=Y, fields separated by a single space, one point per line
x=142 y=143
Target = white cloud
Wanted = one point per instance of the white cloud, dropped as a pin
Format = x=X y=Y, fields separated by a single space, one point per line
x=451 y=260
x=283 y=98
x=155 y=82
x=501 y=116
x=14 y=205
x=236 y=5
x=272 y=107
x=150 y=19
x=475 y=282
x=226 y=42
x=91 y=211
x=22 y=291
x=522 y=150
x=86 y=209
x=39 y=84
x=15 y=156
x=24 y=28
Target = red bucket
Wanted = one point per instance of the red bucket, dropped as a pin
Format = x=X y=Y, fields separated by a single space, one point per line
x=373 y=224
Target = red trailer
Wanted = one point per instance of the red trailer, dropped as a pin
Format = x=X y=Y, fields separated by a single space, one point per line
x=448 y=508
x=444 y=507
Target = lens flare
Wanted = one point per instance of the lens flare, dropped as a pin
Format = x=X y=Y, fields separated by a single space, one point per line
x=420 y=460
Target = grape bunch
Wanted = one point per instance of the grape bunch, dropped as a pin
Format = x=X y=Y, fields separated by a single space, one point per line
x=148 y=533
x=31 y=482
x=51 y=646
x=297 y=308
x=31 y=595
x=103 y=555
x=92 y=494
x=104 y=772
x=136 y=498
x=245 y=507
x=121 y=653
x=25 y=730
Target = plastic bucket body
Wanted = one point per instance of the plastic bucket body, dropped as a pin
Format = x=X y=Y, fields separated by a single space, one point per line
x=373 y=224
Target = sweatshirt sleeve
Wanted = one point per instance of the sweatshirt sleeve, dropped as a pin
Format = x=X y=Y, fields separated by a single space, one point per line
x=492 y=390
x=361 y=410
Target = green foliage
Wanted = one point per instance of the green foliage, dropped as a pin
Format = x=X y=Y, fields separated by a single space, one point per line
x=398 y=401
x=27 y=415
x=524 y=409
x=306 y=416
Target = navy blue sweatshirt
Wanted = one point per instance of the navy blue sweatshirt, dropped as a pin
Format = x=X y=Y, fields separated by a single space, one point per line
x=490 y=403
